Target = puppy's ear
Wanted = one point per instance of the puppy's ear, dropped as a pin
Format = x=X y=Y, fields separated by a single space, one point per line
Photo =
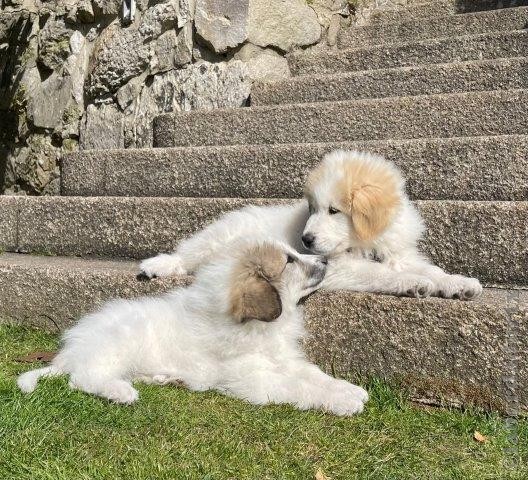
x=254 y=298
x=371 y=209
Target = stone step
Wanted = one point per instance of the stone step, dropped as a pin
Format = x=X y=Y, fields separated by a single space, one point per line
x=430 y=10
x=414 y=28
x=421 y=11
x=441 y=50
x=52 y=292
x=437 y=168
x=445 y=115
x=482 y=239
x=470 y=347
x=478 y=75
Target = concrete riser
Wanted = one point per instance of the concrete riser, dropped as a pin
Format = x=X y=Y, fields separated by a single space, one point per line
x=485 y=168
x=450 y=115
x=445 y=50
x=412 y=28
x=476 y=76
x=482 y=239
x=441 y=350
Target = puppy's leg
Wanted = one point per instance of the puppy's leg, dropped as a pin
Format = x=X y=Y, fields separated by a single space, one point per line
x=114 y=389
x=202 y=247
x=340 y=397
x=445 y=285
x=303 y=388
x=361 y=275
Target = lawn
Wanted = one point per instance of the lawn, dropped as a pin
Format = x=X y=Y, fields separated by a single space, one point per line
x=171 y=433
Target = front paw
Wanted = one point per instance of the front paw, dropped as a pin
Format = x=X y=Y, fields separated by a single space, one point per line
x=163 y=265
x=415 y=286
x=458 y=287
x=346 y=399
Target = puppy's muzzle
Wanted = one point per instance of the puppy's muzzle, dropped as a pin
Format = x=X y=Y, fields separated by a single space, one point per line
x=318 y=271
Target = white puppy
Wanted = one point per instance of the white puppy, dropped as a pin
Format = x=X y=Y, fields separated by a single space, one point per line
x=236 y=329
x=356 y=212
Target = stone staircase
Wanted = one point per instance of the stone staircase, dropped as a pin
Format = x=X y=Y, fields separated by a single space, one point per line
x=443 y=94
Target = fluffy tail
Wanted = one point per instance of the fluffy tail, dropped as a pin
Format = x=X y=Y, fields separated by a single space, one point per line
x=27 y=382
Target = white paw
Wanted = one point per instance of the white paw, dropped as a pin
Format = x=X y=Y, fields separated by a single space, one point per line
x=346 y=398
x=416 y=286
x=459 y=287
x=121 y=392
x=163 y=265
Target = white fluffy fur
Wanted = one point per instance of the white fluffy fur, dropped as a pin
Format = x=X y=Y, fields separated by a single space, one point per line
x=189 y=336
x=400 y=268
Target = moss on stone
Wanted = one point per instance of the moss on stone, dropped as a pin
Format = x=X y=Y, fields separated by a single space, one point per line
x=70 y=145
x=71 y=114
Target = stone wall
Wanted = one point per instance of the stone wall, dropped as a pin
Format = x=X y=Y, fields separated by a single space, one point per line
x=87 y=74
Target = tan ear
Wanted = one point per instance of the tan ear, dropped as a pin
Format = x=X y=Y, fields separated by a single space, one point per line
x=371 y=209
x=254 y=298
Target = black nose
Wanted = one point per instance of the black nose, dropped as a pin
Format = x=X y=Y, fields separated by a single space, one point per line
x=308 y=240
x=324 y=260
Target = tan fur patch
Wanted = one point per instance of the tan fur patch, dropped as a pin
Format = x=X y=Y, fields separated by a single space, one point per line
x=253 y=295
x=369 y=195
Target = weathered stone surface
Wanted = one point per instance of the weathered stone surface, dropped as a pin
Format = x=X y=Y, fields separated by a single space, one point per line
x=158 y=19
x=483 y=239
x=186 y=11
x=445 y=115
x=54 y=43
x=119 y=55
x=264 y=64
x=450 y=352
x=184 y=45
x=8 y=224
x=452 y=166
x=102 y=127
x=480 y=75
x=34 y=165
x=46 y=105
x=326 y=10
x=441 y=50
x=106 y=7
x=223 y=24
x=281 y=24
x=53 y=292
x=162 y=57
x=83 y=12
x=208 y=86
x=199 y=86
x=413 y=29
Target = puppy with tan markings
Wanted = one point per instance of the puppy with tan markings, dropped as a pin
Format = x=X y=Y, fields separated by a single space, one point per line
x=356 y=212
x=236 y=329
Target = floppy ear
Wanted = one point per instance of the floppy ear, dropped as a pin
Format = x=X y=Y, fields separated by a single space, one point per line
x=254 y=298
x=371 y=210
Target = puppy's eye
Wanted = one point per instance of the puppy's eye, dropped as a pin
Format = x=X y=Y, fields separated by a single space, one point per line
x=290 y=259
x=333 y=211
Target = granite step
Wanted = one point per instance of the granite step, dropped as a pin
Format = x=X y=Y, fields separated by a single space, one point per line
x=444 y=115
x=422 y=11
x=472 y=76
x=467 y=168
x=484 y=46
x=470 y=347
x=482 y=239
x=414 y=28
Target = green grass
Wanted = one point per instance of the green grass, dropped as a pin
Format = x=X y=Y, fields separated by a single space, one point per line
x=171 y=433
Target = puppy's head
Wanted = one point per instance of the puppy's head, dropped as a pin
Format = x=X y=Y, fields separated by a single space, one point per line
x=353 y=198
x=270 y=277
